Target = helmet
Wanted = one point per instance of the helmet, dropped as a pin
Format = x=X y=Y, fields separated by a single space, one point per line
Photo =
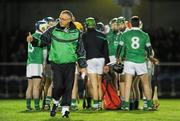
x=113 y=21
x=90 y=22
x=100 y=26
x=135 y=17
x=118 y=67
x=41 y=25
x=49 y=19
x=135 y=21
x=78 y=26
x=120 y=20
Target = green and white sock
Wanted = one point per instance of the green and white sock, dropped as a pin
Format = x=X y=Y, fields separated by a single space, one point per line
x=95 y=105
x=28 y=103
x=48 y=100
x=149 y=103
x=123 y=102
x=100 y=103
x=122 y=98
x=73 y=102
x=145 y=103
x=36 y=103
x=126 y=105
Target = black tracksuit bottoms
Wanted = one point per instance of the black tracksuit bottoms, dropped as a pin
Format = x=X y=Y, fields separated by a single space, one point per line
x=63 y=80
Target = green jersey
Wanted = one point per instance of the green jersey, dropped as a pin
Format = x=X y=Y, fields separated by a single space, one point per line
x=35 y=54
x=113 y=42
x=63 y=46
x=134 y=42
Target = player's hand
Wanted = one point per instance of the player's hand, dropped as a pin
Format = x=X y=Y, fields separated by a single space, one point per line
x=29 y=37
x=106 y=69
x=118 y=60
x=154 y=60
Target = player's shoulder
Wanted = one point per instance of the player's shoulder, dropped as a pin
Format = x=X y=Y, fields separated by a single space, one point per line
x=138 y=30
x=125 y=32
x=37 y=34
x=101 y=35
x=145 y=33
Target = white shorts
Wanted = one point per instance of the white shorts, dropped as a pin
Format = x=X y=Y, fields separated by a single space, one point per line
x=95 y=65
x=34 y=70
x=135 y=68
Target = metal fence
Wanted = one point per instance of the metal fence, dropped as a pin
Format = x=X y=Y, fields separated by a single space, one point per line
x=13 y=82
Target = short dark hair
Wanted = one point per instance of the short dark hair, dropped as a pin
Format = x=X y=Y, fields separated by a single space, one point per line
x=135 y=21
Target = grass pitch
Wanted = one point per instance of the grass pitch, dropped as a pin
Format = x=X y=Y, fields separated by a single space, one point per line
x=14 y=110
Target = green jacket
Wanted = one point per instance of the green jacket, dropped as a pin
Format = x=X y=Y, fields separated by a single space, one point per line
x=65 y=45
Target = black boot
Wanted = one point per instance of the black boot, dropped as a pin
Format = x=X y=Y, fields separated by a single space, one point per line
x=53 y=110
x=66 y=114
x=131 y=106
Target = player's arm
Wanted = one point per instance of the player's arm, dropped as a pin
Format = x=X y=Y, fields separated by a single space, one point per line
x=81 y=53
x=119 y=50
x=150 y=52
x=42 y=40
x=45 y=38
x=29 y=38
x=33 y=38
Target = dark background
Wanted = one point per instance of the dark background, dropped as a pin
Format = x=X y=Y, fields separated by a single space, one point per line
x=160 y=19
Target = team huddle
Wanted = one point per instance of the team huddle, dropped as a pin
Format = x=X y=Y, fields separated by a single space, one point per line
x=61 y=51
